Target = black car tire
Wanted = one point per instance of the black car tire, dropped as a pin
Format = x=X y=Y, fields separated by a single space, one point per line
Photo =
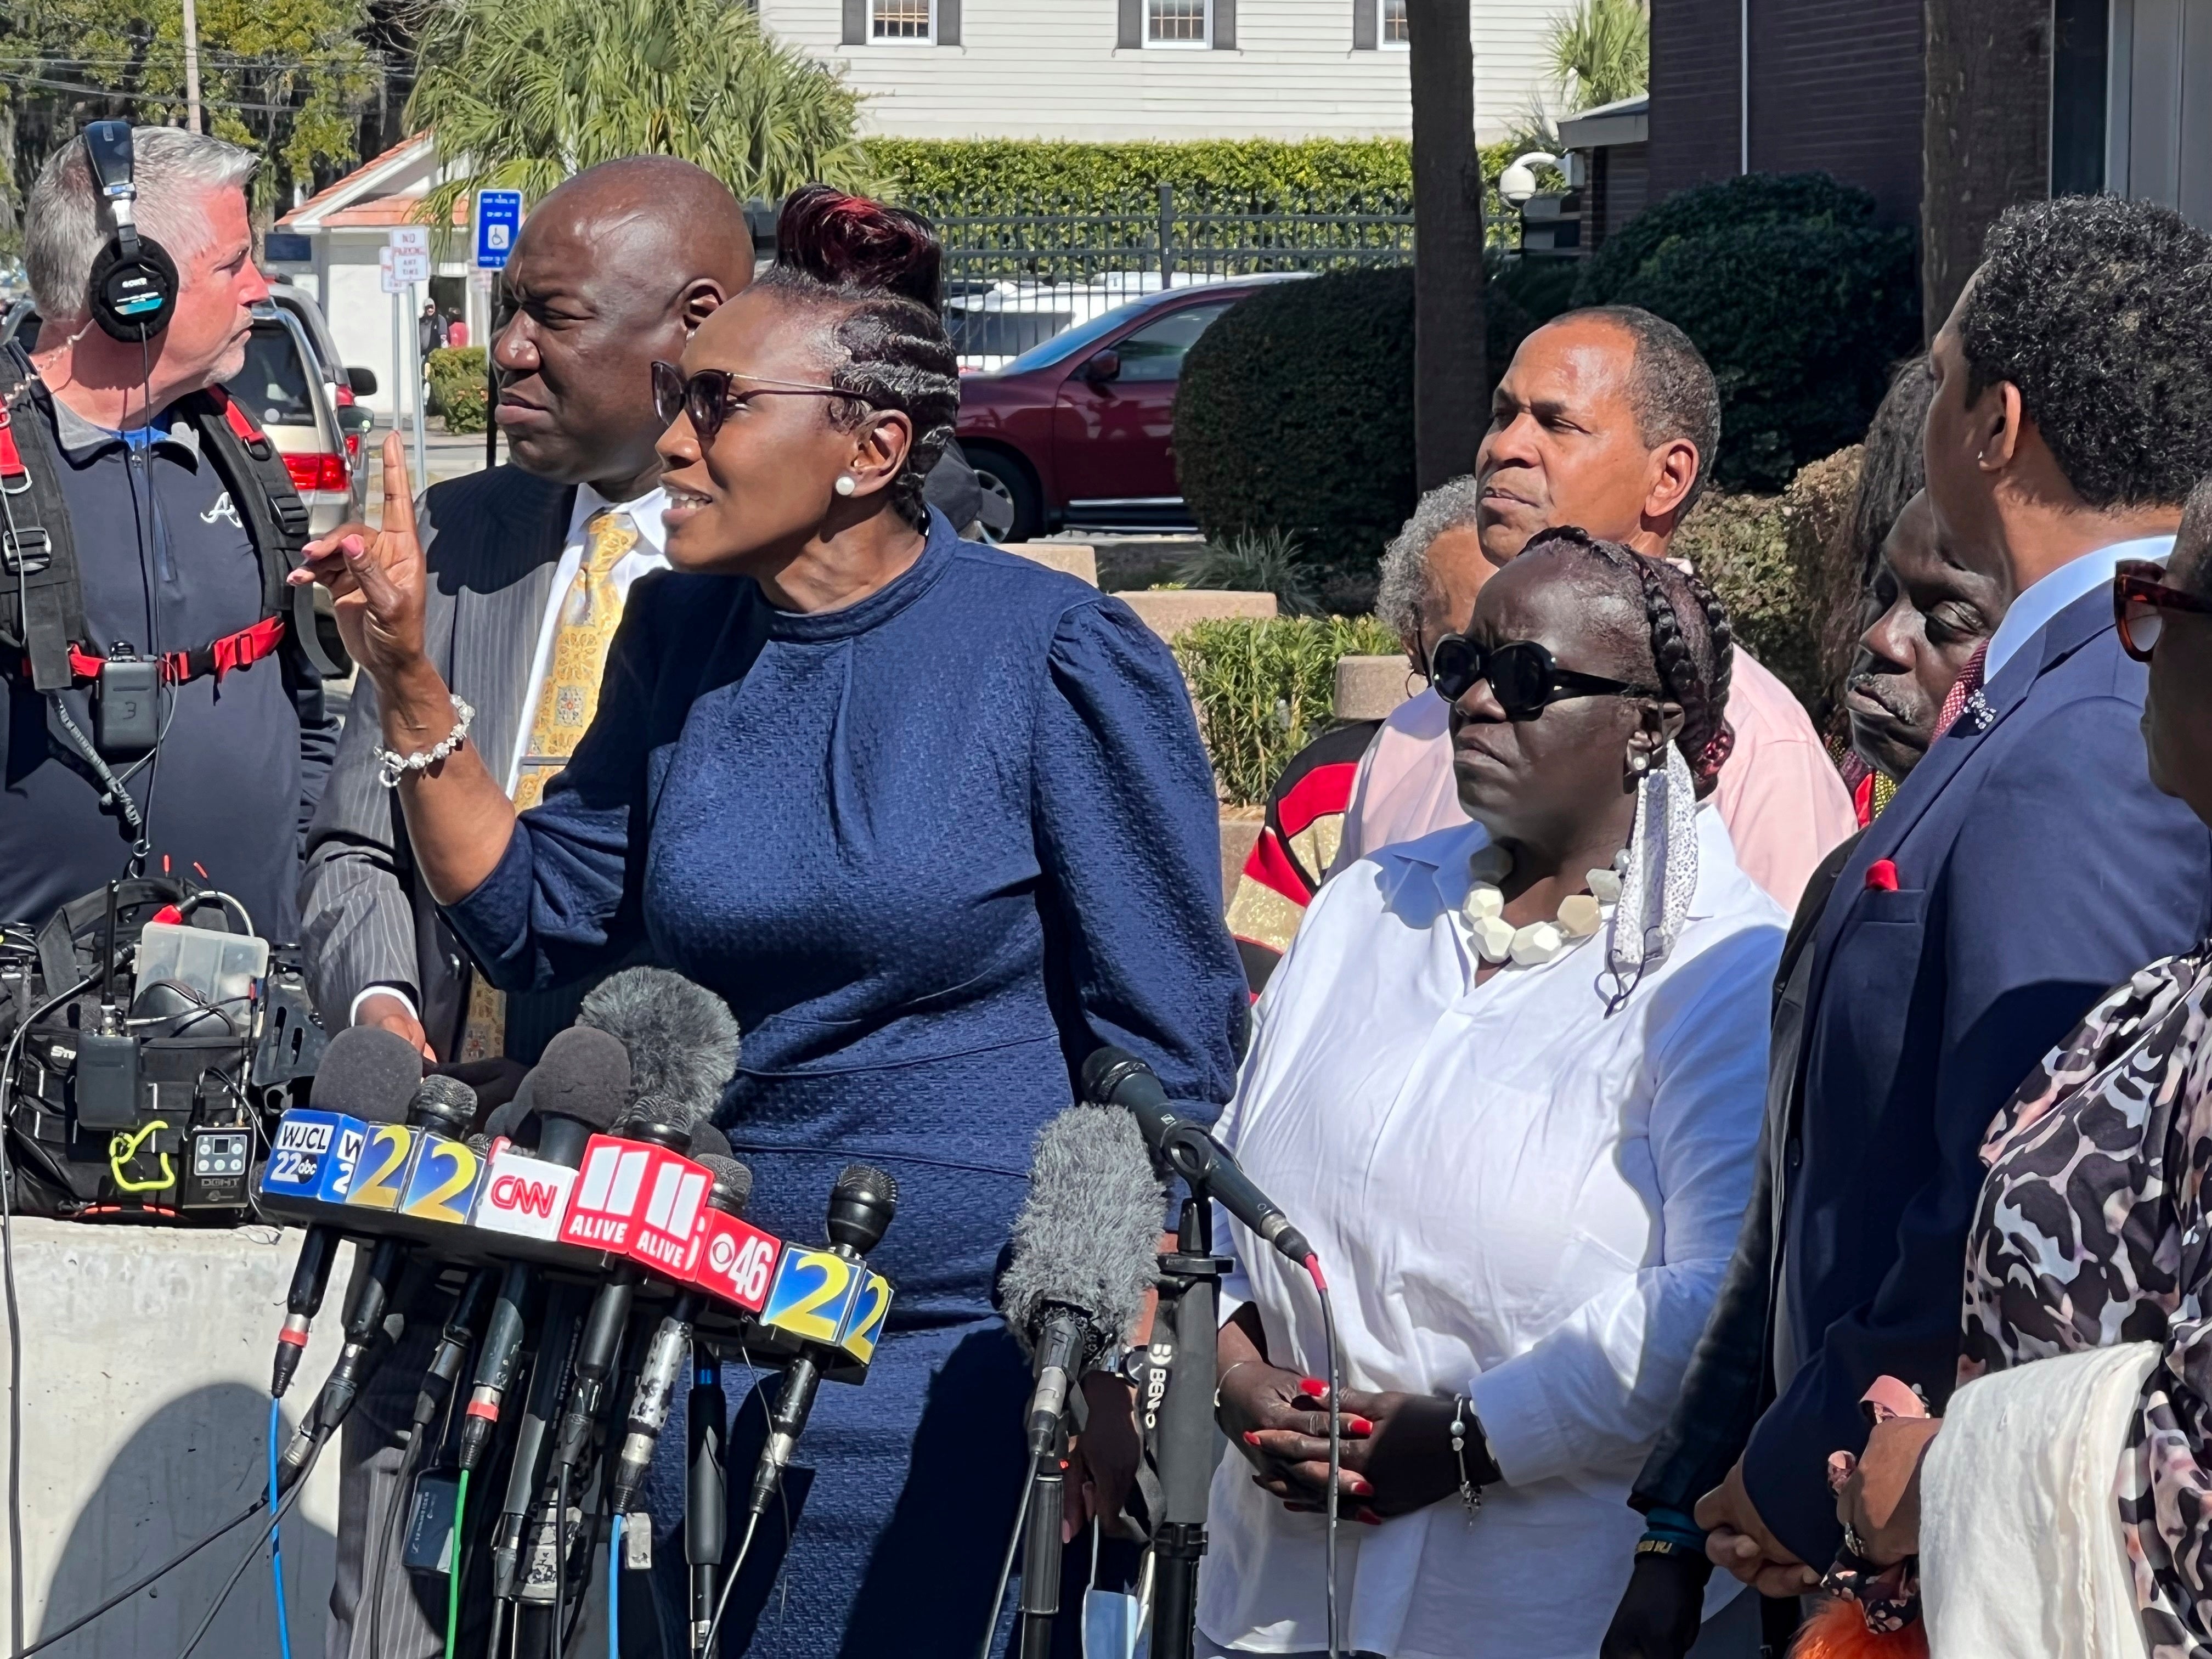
x=1007 y=476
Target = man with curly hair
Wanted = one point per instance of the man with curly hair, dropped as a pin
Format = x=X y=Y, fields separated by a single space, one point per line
x=2026 y=864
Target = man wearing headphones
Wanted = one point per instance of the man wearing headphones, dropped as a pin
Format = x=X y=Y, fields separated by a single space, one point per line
x=159 y=708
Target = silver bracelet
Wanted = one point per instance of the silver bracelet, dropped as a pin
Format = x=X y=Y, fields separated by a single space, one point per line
x=1470 y=1493
x=1224 y=1376
x=392 y=765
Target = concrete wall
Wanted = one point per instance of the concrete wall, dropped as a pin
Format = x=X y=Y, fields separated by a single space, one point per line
x=1025 y=70
x=145 y=1412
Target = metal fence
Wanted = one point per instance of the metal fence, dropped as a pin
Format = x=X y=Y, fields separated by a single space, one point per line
x=1014 y=279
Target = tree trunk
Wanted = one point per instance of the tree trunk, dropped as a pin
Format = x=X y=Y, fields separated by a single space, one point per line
x=1985 y=134
x=10 y=191
x=1451 y=381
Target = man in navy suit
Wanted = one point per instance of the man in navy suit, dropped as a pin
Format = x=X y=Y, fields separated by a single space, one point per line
x=2027 y=864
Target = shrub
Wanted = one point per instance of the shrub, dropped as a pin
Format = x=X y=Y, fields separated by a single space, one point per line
x=457 y=386
x=1765 y=558
x=1798 y=299
x=1255 y=561
x=1263 y=689
x=1296 y=410
x=952 y=177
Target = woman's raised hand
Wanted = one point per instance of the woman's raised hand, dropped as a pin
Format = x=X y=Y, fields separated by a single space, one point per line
x=376 y=579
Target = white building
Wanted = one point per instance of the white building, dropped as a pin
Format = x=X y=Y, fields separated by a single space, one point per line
x=1105 y=70
x=343 y=229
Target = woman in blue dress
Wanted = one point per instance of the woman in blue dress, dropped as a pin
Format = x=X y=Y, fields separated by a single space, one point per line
x=934 y=818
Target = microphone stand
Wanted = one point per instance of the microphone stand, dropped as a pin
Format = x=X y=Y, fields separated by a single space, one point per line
x=1040 y=1546
x=706 y=1491
x=1190 y=1282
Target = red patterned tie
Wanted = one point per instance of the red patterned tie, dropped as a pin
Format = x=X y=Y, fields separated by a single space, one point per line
x=1962 y=689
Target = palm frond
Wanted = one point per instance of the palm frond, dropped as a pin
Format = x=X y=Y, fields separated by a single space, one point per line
x=1601 y=51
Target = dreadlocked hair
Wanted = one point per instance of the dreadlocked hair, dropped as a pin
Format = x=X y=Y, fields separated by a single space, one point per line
x=1693 y=646
x=883 y=267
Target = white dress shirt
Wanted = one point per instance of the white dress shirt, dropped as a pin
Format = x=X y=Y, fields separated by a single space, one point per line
x=1516 y=1197
x=2033 y=610
x=652 y=537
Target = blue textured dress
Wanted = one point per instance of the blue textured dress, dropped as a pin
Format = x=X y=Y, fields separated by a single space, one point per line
x=933 y=847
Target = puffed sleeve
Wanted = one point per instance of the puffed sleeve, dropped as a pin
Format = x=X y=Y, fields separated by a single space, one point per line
x=1128 y=840
x=563 y=898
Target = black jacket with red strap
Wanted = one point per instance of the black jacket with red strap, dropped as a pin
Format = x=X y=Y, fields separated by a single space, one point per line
x=174 y=542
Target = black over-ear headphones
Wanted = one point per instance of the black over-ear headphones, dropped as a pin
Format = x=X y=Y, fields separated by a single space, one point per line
x=133 y=290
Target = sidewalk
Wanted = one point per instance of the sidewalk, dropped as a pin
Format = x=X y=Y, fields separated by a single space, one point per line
x=445 y=455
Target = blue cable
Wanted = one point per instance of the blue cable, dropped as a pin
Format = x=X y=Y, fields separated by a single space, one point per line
x=614 y=1589
x=276 y=1549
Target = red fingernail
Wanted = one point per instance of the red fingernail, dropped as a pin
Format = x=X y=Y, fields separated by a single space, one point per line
x=1313 y=1386
x=1358 y=1425
x=1367 y=1517
x=1360 y=1488
x=1251 y=1437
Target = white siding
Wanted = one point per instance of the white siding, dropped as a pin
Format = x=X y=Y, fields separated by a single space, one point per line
x=1049 y=69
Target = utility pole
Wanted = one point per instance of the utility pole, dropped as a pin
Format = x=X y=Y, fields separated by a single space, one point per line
x=192 y=66
x=1451 y=367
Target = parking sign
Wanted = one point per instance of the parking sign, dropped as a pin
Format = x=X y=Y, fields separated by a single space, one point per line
x=498 y=216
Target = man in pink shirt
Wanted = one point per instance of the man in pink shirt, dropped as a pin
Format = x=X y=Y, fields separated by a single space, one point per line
x=1604 y=420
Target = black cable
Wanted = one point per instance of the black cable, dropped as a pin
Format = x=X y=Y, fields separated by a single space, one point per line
x=124 y=1594
x=722 y=1602
x=249 y=1558
x=381 y=1565
x=560 y=1560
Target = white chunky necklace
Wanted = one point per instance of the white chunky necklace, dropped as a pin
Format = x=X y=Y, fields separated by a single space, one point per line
x=1497 y=939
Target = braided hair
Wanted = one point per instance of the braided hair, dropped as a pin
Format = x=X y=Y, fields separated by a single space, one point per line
x=883 y=267
x=1693 y=646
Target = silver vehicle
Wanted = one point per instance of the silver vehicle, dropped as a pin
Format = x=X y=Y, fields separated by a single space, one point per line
x=342 y=383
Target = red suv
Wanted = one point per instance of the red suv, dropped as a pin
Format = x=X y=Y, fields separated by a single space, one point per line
x=1079 y=429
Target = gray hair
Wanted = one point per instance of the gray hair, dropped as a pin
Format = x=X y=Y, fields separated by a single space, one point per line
x=1403 y=583
x=65 y=221
x=1671 y=387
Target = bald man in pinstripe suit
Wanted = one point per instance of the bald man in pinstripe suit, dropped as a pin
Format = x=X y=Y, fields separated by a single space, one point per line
x=612 y=270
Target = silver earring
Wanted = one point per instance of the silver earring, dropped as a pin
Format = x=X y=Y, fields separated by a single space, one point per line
x=1639 y=762
x=847 y=483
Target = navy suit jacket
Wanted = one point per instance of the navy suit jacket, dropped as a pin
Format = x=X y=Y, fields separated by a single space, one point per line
x=2036 y=867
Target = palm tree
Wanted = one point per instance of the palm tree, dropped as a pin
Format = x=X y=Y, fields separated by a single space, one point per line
x=1601 y=51
x=527 y=93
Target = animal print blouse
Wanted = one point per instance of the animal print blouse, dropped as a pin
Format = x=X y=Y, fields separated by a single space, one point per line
x=2092 y=1232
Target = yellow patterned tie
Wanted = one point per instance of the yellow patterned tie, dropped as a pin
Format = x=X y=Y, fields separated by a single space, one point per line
x=589 y=611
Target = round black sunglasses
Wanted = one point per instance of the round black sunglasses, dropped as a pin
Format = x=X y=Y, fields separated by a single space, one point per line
x=1524 y=675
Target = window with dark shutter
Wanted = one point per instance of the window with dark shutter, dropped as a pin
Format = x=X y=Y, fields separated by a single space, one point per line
x=1397 y=26
x=948 y=22
x=1225 y=25
x=1363 y=25
x=1132 y=30
x=856 y=23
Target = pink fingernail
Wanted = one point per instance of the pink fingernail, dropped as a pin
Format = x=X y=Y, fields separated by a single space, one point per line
x=1251 y=1437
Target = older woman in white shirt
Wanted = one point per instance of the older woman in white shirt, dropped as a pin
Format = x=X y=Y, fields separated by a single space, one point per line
x=1508 y=1080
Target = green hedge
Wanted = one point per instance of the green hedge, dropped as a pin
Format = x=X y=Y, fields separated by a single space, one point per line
x=1800 y=302
x=950 y=177
x=1264 y=690
x=457 y=386
x=1295 y=410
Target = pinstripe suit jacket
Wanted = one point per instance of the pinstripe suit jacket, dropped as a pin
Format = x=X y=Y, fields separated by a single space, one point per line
x=492 y=540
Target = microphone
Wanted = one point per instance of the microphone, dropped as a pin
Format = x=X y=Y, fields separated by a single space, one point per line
x=663 y=1360
x=1085 y=1252
x=601 y=1344
x=861 y=1206
x=368 y=1074
x=1115 y=1077
x=579 y=1086
x=709 y=1142
x=681 y=1038
x=442 y=1107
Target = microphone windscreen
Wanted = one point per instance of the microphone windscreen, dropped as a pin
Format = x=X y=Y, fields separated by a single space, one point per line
x=367 y=1073
x=731 y=1178
x=584 y=1074
x=480 y=1145
x=708 y=1141
x=1088 y=1234
x=506 y=1122
x=682 y=1039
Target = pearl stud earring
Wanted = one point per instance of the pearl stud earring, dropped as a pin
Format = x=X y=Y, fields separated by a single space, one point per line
x=846 y=484
x=1638 y=760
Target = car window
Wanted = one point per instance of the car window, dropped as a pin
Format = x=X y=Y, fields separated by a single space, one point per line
x=1062 y=346
x=1000 y=333
x=1156 y=353
x=273 y=385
